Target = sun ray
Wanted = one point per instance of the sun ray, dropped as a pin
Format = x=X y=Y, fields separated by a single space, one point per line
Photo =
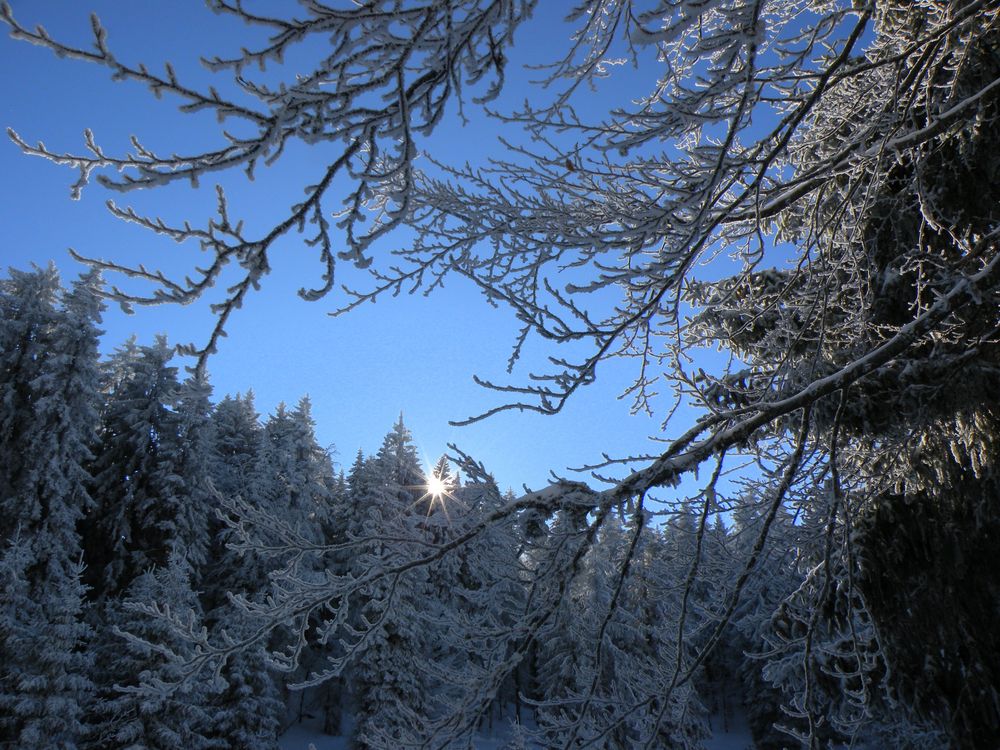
x=437 y=493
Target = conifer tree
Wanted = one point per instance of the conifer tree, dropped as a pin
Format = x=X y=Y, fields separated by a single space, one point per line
x=139 y=652
x=238 y=444
x=194 y=442
x=565 y=641
x=249 y=711
x=389 y=679
x=48 y=414
x=778 y=578
x=398 y=463
x=297 y=493
x=237 y=472
x=137 y=470
x=301 y=471
x=27 y=304
x=442 y=471
x=46 y=686
x=360 y=486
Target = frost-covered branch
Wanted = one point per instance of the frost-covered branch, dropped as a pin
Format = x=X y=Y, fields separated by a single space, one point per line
x=387 y=80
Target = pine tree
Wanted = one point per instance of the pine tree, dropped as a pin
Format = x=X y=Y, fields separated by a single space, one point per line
x=398 y=463
x=360 y=486
x=138 y=653
x=27 y=303
x=389 y=682
x=301 y=470
x=238 y=444
x=778 y=578
x=194 y=442
x=299 y=495
x=237 y=471
x=50 y=375
x=138 y=483
x=248 y=712
x=45 y=687
x=565 y=642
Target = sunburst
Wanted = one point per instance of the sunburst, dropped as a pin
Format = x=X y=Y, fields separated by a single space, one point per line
x=437 y=493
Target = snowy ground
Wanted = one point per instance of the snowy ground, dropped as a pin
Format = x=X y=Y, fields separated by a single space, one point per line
x=301 y=736
x=728 y=721
x=730 y=732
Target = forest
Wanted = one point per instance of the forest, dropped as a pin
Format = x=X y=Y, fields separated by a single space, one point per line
x=130 y=494
x=782 y=215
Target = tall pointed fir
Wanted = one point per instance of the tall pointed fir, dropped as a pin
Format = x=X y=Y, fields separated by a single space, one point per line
x=360 y=485
x=301 y=470
x=48 y=414
x=138 y=652
x=249 y=710
x=389 y=681
x=27 y=304
x=482 y=597
x=237 y=444
x=565 y=654
x=298 y=494
x=144 y=512
x=238 y=474
x=193 y=441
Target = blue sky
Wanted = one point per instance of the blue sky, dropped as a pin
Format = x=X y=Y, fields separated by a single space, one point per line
x=411 y=354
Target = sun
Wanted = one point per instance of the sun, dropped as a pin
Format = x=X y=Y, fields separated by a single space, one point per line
x=437 y=492
x=435 y=487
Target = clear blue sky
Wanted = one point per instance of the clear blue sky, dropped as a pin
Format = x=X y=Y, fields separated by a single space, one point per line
x=410 y=354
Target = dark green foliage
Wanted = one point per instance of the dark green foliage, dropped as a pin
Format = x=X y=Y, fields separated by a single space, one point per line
x=136 y=657
x=930 y=566
x=248 y=712
x=138 y=483
x=48 y=410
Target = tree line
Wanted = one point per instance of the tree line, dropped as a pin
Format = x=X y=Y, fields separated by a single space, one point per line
x=145 y=524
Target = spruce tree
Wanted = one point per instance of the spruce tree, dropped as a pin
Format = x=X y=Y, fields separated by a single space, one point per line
x=49 y=417
x=27 y=304
x=138 y=483
x=138 y=653
x=249 y=710
x=238 y=444
x=46 y=686
x=193 y=441
x=389 y=680
x=237 y=472
x=297 y=493
x=301 y=471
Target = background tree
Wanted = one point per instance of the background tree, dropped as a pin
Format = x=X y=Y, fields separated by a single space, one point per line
x=142 y=511
x=137 y=649
x=48 y=413
x=390 y=681
x=235 y=463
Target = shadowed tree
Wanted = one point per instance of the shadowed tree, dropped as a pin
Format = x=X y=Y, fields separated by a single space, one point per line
x=48 y=414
